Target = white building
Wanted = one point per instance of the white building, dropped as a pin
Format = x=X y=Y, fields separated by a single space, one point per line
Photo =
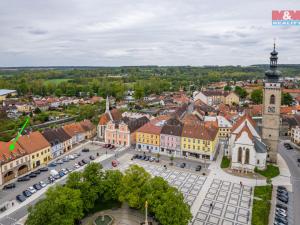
x=295 y=135
x=246 y=148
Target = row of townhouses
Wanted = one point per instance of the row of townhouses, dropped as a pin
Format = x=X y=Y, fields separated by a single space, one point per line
x=38 y=148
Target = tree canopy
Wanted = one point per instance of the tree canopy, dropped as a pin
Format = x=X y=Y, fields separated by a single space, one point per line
x=257 y=96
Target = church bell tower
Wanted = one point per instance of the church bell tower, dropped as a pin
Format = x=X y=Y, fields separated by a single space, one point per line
x=271 y=108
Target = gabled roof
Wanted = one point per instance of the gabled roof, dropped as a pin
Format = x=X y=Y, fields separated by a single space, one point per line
x=73 y=129
x=243 y=119
x=55 y=136
x=259 y=146
x=87 y=125
x=113 y=114
x=172 y=127
x=6 y=155
x=33 y=142
x=199 y=132
x=245 y=129
x=134 y=124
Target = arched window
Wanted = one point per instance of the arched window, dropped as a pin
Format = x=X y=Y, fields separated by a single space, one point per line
x=272 y=99
x=240 y=153
x=247 y=156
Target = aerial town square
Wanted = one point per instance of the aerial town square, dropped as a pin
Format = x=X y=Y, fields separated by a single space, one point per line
x=127 y=112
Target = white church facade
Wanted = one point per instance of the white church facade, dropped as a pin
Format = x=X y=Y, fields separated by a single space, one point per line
x=245 y=147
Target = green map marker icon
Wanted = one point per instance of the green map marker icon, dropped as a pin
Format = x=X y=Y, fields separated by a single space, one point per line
x=12 y=145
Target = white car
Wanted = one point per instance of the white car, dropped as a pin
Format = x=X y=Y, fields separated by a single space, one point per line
x=43 y=184
x=71 y=157
x=31 y=189
x=76 y=166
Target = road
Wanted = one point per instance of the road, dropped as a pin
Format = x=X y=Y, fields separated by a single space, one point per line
x=20 y=186
x=291 y=156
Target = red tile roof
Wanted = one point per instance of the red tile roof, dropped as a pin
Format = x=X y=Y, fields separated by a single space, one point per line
x=241 y=120
x=33 y=142
x=73 y=129
x=199 y=132
x=6 y=155
x=245 y=129
x=105 y=118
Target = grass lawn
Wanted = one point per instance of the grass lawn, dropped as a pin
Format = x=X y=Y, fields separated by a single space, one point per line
x=56 y=81
x=225 y=162
x=270 y=172
x=261 y=206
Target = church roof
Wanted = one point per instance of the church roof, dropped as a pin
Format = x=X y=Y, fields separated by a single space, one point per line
x=245 y=129
x=105 y=117
x=259 y=146
x=241 y=120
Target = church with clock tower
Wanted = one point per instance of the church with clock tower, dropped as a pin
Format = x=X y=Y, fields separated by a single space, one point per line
x=271 y=108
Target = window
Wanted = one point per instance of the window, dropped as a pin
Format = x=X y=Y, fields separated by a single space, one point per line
x=258 y=162
x=272 y=99
x=240 y=152
x=247 y=156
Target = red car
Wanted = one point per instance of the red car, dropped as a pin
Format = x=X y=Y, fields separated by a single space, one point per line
x=114 y=163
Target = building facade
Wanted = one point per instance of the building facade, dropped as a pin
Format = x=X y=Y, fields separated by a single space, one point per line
x=199 y=141
x=12 y=164
x=170 y=137
x=271 y=108
x=295 y=135
x=37 y=148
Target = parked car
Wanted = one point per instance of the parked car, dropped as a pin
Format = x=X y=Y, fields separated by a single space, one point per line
x=281 y=219
x=278 y=223
x=92 y=157
x=76 y=166
x=283 y=199
x=80 y=163
x=9 y=186
x=69 y=169
x=59 y=161
x=37 y=172
x=280 y=214
x=152 y=159
x=43 y=184
x=32 y=174
x=147 y=158
x=282 y=192
x=27 y=193
x=281 y=187
x=281 y=210
x=37 y=186
x=61 y=174
x=198 y=168
x=44 y=169
x=20 y=198
x=182 y=165
x=85 y=161
x=64 y=171
x=31 y=189
x=65 y=159
x=53 y=164
x=25 y=178
x=51 y=179
x=71 y=157
x=157 y=160
x=281 y=206
x=135 y=156
x=112 y=147
x=85 y=150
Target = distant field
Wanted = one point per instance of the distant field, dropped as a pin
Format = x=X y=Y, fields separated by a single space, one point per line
x=56 y=81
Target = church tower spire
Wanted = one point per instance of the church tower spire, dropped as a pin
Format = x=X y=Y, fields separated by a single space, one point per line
x=273 y=74
x=107 y=105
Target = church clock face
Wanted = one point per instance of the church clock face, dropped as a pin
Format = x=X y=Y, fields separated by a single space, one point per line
x=271 y=109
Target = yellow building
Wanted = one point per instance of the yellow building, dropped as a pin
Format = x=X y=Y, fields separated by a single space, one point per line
x=199 y=141
x=231 y=98
x=148 y=136
x=37 y=147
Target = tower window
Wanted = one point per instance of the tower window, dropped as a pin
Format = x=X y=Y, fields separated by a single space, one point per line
x=272 y=99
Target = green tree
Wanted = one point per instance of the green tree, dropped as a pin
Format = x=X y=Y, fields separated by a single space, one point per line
x=62 y=206
x=172 y=209
x=227 y=88
x=241 y=92
x=257 y=96
x=130 y=190
x=111 y=184
x=286 y=99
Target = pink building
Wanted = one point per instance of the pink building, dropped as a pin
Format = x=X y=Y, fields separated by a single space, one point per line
x=122 y=132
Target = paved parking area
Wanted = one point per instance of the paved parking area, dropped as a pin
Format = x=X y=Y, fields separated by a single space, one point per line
x=189 y=184
x=225 y=203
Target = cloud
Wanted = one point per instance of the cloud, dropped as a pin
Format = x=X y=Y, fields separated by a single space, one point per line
x=162 y=32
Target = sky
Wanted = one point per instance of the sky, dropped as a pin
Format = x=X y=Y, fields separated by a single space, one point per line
x=144 y=32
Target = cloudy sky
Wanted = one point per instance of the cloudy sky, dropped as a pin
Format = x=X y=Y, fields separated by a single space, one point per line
x=144 y=32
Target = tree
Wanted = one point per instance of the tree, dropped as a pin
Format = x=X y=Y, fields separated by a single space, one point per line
x=257 y=96
x=130 y=190
x=111 y=184
x=62 y=206
x=286 y=99
x=227 y=88
x=37 y=110
x=172 y=209
x=241 y=92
